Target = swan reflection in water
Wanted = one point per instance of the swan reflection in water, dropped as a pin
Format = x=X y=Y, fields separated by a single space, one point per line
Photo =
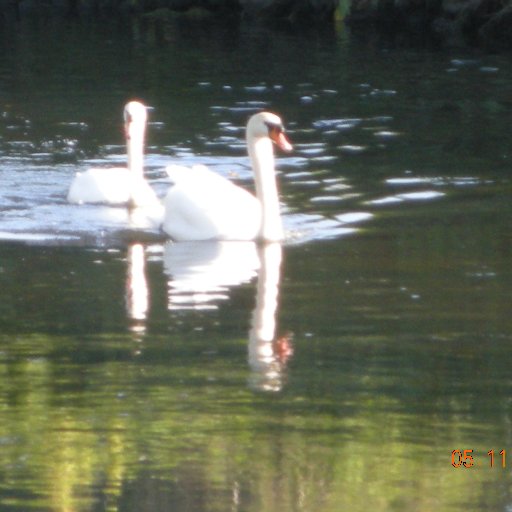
x=201 y=275
x=137 y=291
x=267 y=355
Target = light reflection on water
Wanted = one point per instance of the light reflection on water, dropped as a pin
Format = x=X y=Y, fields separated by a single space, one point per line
x=336 y=372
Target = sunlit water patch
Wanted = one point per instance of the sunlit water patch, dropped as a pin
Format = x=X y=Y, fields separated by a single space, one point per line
x=34 y=206
x=423 y=195
x=316 y=195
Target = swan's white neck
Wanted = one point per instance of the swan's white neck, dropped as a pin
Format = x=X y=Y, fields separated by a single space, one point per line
x=135 y=149
x=261 y=153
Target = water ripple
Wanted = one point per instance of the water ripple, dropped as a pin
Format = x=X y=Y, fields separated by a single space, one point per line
x=424 y=195
x=38 y=171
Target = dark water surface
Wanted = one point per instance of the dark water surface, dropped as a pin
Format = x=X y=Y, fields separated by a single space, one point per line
x=337 y=372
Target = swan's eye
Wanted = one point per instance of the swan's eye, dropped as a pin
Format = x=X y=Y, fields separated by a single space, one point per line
x=128 y=118
x=277 y=135
x=274 y=128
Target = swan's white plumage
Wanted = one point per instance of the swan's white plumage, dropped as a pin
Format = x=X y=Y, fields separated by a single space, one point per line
x=203 y=205
x=119 y=185
x=193 y=212
x=115 y=185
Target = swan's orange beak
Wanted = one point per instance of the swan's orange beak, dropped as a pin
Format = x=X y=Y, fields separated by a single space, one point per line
x=280 y=139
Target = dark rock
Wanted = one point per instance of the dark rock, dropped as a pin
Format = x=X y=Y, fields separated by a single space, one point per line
x=496 y=33
x=475 y=14
x=210 y=5
x=485 y=23
x=293 y=10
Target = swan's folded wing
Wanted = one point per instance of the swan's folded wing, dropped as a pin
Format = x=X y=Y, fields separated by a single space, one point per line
x=208 y=206
x=101 y=186
x=196 y=174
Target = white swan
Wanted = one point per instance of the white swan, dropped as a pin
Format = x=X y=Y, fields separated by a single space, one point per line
x=119 y=185
x=203 y=205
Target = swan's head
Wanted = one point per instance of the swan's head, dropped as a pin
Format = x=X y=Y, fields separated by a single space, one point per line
x=268 y=125
x=135 y=117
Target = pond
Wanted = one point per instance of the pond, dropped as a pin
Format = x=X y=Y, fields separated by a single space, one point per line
x=361 y=365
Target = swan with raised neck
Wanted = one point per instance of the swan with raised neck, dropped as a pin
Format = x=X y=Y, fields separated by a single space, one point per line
x=203 y=205
x=119 y=185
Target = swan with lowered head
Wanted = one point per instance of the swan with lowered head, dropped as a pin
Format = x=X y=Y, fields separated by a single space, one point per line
x=203 y=205
x=119 y=185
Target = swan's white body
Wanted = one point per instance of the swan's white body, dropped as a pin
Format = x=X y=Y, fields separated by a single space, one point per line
x=119 y=185
x=203 y=205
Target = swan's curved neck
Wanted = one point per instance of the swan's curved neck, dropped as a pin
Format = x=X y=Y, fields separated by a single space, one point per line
x=261 y=153
x=135 y=149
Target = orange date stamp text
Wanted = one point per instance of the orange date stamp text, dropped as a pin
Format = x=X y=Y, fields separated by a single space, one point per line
x=470 y=458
